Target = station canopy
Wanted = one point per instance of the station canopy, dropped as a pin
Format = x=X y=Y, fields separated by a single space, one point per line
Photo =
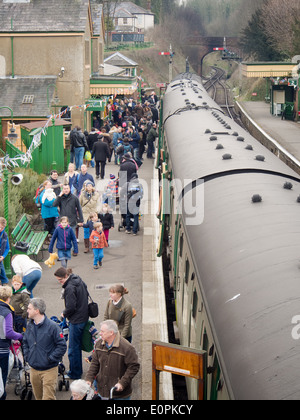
x=269 y=69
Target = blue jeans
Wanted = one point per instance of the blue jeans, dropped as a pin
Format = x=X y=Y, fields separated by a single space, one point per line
x=31 y=280
x=4 y=367
x=3 y=277
x=86 y=233
x=79 y=154
x=98 y=255
x=74 y=352
x=135 y=222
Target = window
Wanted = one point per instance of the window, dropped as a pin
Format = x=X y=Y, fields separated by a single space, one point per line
x=28 y=99
x=181 y=246
x=125 y=21
x=187 y=271
x=195 y=304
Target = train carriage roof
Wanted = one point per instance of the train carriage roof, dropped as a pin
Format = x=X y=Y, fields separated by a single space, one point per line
x=199 y=128
x=246 y=253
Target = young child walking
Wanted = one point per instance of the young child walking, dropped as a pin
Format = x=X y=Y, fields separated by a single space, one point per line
x=107 y=220
x=65 y=237
x=88 y=228
x=99 y=242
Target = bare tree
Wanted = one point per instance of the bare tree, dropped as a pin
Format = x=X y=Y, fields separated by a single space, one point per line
x=109 y=7
x=279 y=18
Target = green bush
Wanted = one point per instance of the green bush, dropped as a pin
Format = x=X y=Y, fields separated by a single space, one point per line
x=21 y=197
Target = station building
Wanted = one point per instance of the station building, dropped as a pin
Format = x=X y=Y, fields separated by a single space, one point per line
x=282 y=85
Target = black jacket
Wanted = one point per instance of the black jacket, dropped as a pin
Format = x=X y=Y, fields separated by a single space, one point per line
x=77 y=139
x=69 y=206
x=107 y=220
x=127 y=169
x=100 y=151
x=92 y=139
x=76 y=300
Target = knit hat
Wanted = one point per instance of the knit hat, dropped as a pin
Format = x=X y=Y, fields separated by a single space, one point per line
x=112 y=176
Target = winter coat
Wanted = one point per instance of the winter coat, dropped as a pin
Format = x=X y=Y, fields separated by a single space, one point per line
x=128 y=167
x=44 y=345
x=76 y=300
x=92 y=139
x=112 y=365
x=80 y=180
x=23 y=265
x=6 y=327
x=4 y=244
x=101 y=243
x=89 y=203
x=134 y=139
x=107 y=220
x=69 y=206
x=152 y=134
x=78 y=139
x=46 y=199
x=100 y=151
x=122 y=314
x=20 y=300
x=65 y=238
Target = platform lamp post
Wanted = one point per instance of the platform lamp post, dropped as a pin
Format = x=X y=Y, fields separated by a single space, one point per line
x=53 y=143
x=12 y=136
x=56 y=101
x=140 y=84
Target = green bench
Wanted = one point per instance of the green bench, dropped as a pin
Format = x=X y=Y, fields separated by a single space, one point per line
x=25 y=233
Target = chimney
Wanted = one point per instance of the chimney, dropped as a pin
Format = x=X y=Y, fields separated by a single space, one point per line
x=149 y=5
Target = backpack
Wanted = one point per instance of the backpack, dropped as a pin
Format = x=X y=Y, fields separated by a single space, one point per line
x=127 y=149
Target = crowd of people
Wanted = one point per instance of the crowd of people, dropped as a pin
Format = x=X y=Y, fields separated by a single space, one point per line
x=133 y=129
x=65 y=207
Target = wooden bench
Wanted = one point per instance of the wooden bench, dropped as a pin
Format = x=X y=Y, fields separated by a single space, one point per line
x=25 y=233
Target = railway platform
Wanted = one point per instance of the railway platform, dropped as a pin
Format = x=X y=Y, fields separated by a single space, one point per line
x=131 y=261
x=275 y=133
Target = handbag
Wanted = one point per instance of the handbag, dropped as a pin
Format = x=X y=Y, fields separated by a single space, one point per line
x=93 y=308
x=22 y=246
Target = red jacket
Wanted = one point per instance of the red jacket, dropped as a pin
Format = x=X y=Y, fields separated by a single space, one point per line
x=101 y=242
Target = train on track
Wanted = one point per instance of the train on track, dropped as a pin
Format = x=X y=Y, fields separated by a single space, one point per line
x=230 y=233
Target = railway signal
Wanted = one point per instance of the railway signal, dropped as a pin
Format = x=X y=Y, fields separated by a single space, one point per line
x=171 y=55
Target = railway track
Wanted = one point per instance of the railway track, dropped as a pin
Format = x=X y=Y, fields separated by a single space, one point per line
x=220 y=92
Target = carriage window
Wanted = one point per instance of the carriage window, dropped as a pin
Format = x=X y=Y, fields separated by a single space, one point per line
x=195 y=304
x=181 y=246
x=187 y=270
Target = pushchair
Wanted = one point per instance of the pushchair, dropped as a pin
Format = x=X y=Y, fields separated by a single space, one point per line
x=61 y=367
x=19 y=372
